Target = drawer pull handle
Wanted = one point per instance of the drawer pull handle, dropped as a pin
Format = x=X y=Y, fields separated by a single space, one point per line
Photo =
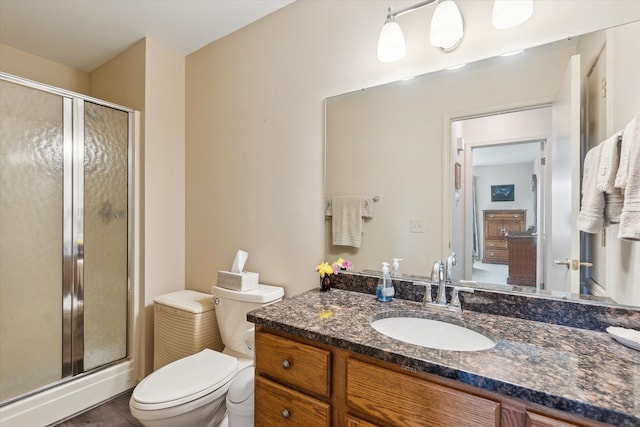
x=285 y=414
x=516 y=215
x=492 y=244
x=286 y=364
x=491 y=215
x=492 y=254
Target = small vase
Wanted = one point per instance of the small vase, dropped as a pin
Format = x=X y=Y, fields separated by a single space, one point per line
x=325 y=283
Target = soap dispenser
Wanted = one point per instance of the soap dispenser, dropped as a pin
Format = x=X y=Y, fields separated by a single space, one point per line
x=395 y=267
x=385 y=291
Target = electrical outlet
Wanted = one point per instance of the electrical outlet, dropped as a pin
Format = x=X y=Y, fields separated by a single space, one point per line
x=417 y=225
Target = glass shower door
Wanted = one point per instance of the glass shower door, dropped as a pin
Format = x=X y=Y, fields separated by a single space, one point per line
x=106 y=139
x=64 y=236
x=31 y=217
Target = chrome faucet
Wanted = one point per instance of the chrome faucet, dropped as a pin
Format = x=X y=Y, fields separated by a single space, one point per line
x=438 y=275
x=452 y=260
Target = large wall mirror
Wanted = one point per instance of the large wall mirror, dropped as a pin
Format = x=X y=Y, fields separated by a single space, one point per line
x=485 y=161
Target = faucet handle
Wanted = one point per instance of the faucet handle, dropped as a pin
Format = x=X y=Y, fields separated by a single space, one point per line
x=427 y=291
x=455 y=299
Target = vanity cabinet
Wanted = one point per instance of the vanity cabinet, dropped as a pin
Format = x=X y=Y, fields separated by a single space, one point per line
x=303 y=383
x=497 y=223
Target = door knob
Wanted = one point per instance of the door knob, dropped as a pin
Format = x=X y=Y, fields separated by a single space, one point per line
x=566 y=262
x=573 y=263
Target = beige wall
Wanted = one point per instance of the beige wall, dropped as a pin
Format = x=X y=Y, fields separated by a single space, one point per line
x=164 y=179
x=32 y=67
x=255 y=124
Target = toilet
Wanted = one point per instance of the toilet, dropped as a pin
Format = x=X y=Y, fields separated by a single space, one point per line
x=208 y=388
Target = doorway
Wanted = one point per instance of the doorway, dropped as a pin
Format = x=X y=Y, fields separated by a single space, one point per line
x=501 y=200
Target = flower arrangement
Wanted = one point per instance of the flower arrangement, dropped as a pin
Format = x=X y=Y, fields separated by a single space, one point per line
x=340 y=264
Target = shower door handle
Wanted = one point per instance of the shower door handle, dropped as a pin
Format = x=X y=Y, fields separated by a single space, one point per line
x=77 y=360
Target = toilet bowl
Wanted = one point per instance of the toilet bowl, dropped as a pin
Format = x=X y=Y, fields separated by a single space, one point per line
x=192 y=391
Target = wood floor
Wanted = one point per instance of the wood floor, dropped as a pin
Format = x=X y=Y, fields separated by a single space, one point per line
x=114 y=413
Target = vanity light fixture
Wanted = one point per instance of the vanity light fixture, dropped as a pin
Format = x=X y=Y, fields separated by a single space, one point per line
x=391 y=46
x=511 y=13
x=447 y=25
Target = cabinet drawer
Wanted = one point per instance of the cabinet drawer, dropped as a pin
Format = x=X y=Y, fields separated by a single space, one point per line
x=298 y=365
x=277 y=405
x=499 y=255
x=395 y=398
x=496 y=215
x=496 y=244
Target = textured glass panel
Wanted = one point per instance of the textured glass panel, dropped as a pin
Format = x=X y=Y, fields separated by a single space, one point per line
x=105 y=235
x=31 y=160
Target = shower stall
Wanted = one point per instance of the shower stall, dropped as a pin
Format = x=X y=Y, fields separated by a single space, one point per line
x=65 y=237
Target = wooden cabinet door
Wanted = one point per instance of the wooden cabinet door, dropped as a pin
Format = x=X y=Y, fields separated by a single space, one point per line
x=399 y=399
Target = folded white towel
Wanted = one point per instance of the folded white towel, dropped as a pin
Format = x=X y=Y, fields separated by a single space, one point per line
x=605 y=179
x=613 y=203
x=628 y=179
x=591 y=216
x=347 y=220
x=608 y=165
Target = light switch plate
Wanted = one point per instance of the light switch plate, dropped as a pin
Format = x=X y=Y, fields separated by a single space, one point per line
x=417 y=225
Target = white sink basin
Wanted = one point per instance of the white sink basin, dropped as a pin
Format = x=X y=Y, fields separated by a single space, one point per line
x=432 y=334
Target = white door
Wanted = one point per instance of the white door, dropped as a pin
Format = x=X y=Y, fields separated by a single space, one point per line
x=561 y=232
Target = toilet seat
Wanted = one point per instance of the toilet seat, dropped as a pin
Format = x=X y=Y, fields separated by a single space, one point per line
x=185 y=380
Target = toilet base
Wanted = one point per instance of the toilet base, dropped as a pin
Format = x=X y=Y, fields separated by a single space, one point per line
x=204 y=413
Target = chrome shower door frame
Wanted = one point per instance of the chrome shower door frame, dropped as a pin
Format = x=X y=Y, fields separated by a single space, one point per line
x=73 y=231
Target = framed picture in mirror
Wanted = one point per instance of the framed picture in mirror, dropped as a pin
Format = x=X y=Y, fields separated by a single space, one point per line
x=502 y=193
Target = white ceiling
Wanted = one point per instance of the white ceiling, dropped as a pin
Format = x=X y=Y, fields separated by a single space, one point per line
x=84 y=34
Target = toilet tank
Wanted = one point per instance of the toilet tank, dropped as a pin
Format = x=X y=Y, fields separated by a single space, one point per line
x=184 y=323
x=232 y=308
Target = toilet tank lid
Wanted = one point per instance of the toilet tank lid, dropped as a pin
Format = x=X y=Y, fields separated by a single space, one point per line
x=241 y=388
x=261 y=294
x=186 y=300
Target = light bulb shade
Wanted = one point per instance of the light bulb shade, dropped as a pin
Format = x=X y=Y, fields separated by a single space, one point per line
x=391 y=46
x=511 y=13
x=447 y=27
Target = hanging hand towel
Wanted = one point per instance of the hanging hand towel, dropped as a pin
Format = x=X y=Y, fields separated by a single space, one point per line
x=628 y=178
x=346 y=220
x=591 y=216
x=606 y=176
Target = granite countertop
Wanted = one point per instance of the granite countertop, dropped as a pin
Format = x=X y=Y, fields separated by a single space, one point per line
x=579 y=371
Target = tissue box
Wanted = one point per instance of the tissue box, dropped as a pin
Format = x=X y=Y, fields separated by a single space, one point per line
x=245 y=281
